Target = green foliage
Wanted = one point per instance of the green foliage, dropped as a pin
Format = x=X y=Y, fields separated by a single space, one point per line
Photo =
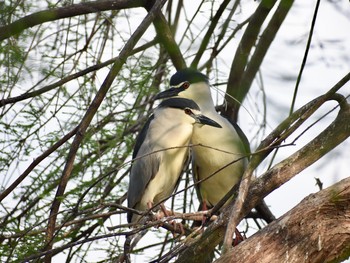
x=56 y=69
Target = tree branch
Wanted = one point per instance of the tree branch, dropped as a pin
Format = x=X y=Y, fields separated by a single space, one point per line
x=68 y=78
x=65 y=12
x=216 y=49
x=306 y=53
x=263 y=46
x=36 y=161
x=240 y=60
x=286 y=128
x=165 y=36
x=235 y=216
x=124 y=53
x=208 y=35
x=282 y=172
x=316 y=230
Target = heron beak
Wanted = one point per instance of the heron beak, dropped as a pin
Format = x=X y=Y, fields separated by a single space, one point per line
x=207 y=121
x=172 y=92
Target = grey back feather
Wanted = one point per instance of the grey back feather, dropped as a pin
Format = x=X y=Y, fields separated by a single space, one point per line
x=142 y=172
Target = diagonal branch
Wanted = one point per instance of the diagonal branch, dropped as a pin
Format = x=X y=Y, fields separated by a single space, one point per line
x=292 y=237
x=285 y=130
x=65 y=12
x=166 y=38
x=282 y=172
x=263 y=46
x=240 y=60
x=217 y=48
x=66 y=79
x=209 y=33
x=124 y=53
x=36 y=161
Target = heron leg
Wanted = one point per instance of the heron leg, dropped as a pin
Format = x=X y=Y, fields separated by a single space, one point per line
x=172 y=222
x=204 y=208
x=238 y=239
x=149 y=205
x=165 y=211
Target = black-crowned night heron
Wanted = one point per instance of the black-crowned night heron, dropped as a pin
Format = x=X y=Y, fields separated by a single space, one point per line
x=217 y=147
x=160 y=152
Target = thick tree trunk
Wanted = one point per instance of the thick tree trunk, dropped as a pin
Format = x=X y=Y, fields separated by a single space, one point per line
x=316 y=230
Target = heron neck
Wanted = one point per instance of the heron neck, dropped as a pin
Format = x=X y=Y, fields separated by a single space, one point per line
x=204 y=99
x=207 y=107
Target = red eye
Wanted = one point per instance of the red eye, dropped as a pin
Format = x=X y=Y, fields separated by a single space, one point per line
x=186 y=85
x=188 y=111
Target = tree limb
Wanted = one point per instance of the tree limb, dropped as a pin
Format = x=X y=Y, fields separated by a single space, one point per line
x=307 y=49
x=263 y=46
x=286 y=128
x=165 y=36
x=90 y=113
x=36 y=161
x=240 y=60
x=64 y=12
x=282 y=172
x=57 y=84
x=209 y=33
x=316 y=230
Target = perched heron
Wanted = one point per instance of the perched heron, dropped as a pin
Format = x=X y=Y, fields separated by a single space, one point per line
x=221 y=154
x=161 y=151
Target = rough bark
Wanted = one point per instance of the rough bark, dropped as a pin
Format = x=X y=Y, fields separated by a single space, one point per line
x=316 y=230
x=333 y=135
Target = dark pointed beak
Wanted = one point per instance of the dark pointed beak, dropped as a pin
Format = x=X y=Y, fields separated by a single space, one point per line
x=207 y=121
x=172 y=92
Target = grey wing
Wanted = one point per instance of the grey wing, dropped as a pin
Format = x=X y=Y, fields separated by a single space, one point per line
x=195 y=169
x=185 y=166
x=195 y=173
x=242 y=136
x=142 y=172
x=141 y=136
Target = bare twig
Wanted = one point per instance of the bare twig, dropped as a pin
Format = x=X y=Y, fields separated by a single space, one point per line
x=66 y=79
x=240 y=60
x=30 y=168
x=307 y=49
x=205 y=41
x=125 y=52
x=65 y=12
x=263 y=46
x=167 y=39
x=332 y=136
